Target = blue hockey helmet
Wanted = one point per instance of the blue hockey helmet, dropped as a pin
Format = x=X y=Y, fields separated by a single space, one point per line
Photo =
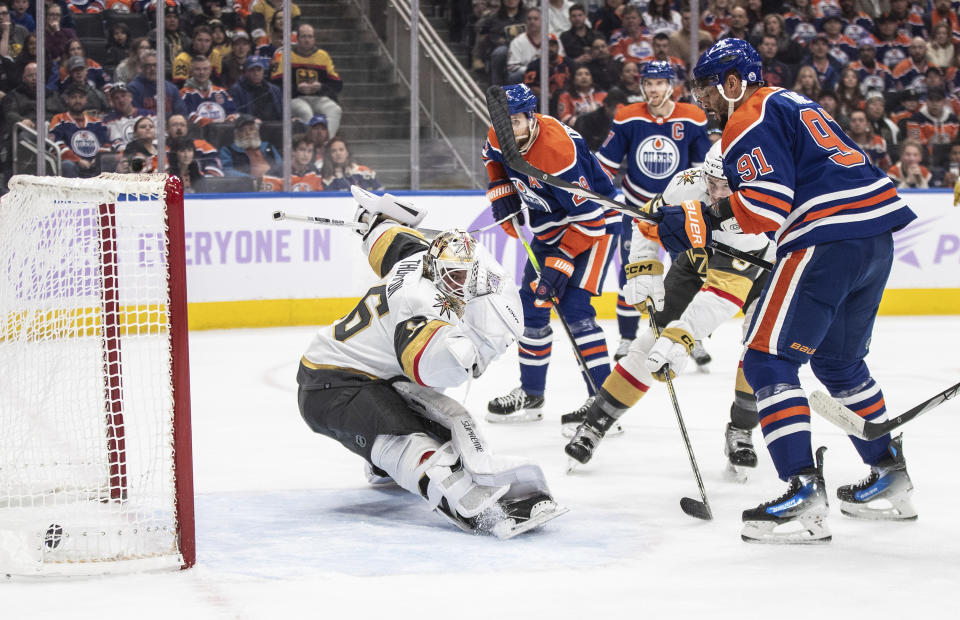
x=724 y=56
x=520 y=99
x=658 y=69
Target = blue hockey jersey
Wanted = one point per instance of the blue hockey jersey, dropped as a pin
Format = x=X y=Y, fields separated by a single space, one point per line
x=656 y=147
x=795 y=173
x=553 y=212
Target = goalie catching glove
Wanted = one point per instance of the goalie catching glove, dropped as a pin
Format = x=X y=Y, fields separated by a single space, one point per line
x=670 y=352
x=373 y=209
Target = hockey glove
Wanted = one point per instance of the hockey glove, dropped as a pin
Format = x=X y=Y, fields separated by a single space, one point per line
x=505 y=202
x=685 y=227
x=557 y=269
x=644 y=279
x=669 y=353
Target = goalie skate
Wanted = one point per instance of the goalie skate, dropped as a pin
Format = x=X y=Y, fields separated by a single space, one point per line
x=517 y=406
x=522 y=515
x=884 y=495
x=796 y=517
x=738 y=448
x=570 y=421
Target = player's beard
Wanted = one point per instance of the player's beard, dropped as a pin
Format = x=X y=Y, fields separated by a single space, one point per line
x=525 y=141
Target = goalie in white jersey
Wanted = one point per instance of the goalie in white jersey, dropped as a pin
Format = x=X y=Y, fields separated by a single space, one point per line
x=701 y=290
x=441 y=312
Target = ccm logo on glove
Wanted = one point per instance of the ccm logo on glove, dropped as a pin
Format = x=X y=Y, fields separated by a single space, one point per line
x=651 y=267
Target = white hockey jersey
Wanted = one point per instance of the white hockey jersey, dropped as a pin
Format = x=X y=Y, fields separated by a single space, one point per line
x=691 y=184
x=404 y=325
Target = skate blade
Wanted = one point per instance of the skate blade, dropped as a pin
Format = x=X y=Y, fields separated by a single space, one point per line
x=813 y=531
x=881 y=510
x=505 y=530
x=572 y=465
x=569 y=430
x=517 y=417
x=735 y=473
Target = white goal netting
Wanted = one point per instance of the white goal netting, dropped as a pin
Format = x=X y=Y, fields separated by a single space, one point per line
x=87 y=480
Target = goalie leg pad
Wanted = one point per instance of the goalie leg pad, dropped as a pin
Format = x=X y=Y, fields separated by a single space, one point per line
x=421 y=465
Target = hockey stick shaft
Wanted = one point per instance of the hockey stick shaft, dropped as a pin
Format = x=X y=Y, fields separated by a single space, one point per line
x=556 y=306
x=651 y=310
x=831 y=409
x=326 y=221
x=500 y=117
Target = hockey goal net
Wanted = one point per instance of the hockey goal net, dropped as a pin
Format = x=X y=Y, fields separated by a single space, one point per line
x=95 y=452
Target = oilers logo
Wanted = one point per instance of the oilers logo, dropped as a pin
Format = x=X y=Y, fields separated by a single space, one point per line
x=85 y=144
x=213 y=111
x=530 y=198
x=658 y=157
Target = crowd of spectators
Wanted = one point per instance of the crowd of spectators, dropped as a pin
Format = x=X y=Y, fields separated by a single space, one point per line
x=223 y=91
x=887 y=70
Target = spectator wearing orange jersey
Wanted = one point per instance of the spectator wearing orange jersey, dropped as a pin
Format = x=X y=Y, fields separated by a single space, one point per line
x=933 y=124
x=909 y=172
x=303 y=175
x=580 y=99
x=873 y=145
x=911 y=72
x=633 y=41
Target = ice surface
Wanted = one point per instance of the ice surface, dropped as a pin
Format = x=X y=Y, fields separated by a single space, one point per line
x=287 y=527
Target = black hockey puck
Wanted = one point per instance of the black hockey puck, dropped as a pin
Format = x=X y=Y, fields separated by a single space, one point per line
x=53 y=537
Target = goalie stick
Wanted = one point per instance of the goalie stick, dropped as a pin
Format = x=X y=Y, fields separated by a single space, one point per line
x=326 y=221
x=848 y=420
x=500 y=118
x=699 y=510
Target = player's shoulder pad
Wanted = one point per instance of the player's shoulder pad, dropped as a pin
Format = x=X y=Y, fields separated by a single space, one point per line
x=748 y=115
x=492 y=139
x=689 y=111
x=391 y=244
x=554 y=151
x=687 y=184
x=631 y=111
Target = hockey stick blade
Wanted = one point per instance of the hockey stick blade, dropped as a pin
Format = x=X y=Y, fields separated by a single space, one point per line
x=500 y=118
x=849 y=421
x=696 y=508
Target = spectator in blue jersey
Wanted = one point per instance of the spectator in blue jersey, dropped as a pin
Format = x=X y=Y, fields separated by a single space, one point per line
x=824 y=65
x=656 y=138
x=796 y=176
x=319 y=135
x=144 y=87
x=80 y=136
x=775 y=73
x=20 y=16
x=253 y=94
x=204 y=101
x=248 y=155
x=573 y=242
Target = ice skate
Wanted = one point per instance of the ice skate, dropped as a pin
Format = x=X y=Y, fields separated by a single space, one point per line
x=622 y=349
x=585 y=440
x=796 y=517
x=517 y=406
x=376 y=477
x=570 y=421
x=701 y=357
x=884 y=494
x=738 y=448
x=516 y=516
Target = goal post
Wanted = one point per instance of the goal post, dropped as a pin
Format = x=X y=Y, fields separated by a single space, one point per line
x=95 y=442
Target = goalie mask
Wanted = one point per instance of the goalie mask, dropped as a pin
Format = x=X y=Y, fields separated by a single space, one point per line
x=451 y=264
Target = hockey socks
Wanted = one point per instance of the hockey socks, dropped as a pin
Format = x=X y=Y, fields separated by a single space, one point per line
x=628 y=318
x=866 y=400
x=535 y=346
x=589 y=338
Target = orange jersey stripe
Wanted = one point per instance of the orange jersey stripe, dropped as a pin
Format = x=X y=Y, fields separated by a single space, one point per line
x=784 y=414
x=770 y=200
x=816 y=215
x=535 y=353
x=778 y=295
x=602 y=348
x=751 y=223
x=877 y=406
x=745 y=116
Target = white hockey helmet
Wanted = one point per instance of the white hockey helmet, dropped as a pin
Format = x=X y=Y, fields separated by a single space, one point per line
x=451 y=263
x=713 y=163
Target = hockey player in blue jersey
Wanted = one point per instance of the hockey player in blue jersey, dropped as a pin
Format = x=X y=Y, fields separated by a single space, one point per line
x=797 y=177
x=572 y=245
x=658 y=138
